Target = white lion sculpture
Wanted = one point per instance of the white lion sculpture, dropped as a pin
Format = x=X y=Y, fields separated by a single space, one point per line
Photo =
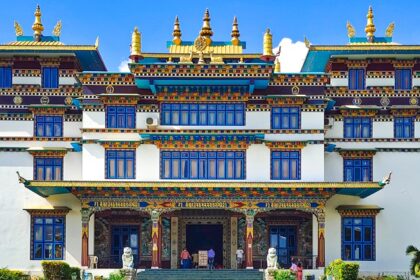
x=127 y=258
x=272 y=258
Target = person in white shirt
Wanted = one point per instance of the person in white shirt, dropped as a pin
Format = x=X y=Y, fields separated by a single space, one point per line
x=239 y=257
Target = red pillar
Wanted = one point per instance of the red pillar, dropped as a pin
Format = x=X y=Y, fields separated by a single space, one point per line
x=86 y=213
x=321 y=238
x=249 y=238
x=156 y=239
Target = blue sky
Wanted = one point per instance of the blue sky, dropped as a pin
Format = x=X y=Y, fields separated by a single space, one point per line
x=322 y=21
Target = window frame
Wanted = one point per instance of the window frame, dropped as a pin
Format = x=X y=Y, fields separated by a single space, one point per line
x=116 y=158
x=49 y=125
x=202 y=161
x=281 y=156
x=357 y=123
x=365 y=164
x=203 y=114
x=50 y=77
x=6 y=77
x=121 y=111
x=357 y=79
x=403 y=79
x=43 y=242
x=282 y=113
x=400 y=126
x=362 y=243
x=57 y=162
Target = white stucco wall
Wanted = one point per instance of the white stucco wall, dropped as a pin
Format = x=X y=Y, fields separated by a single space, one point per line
x=383 y=82
x=93 y=165
x=339 y=82
x=93 y=119
x=383 y=129
x=16 y=128
x=26 y=80
x=312 y=120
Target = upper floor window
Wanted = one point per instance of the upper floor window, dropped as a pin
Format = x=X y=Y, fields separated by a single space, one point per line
x=49 y=126
x=120 y=164
x=357 y=127
x=203 y=165
x=403 y=78
x=5 y=77
x=285 y=165
x=50 y=77
x=357 y=78
x=48 y=238
x=228 y=114
x=358 y=239
x=357 y=170
x=285 y=117
x=120 y=116
x=48 y=169
x=403 y=127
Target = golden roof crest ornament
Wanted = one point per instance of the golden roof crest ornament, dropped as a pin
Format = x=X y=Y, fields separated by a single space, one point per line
x=206 y=29
x=307 y=42
x=200 y=43
x=135 y=47
x=268 y=47
x=18 y=29
x=176 y=33
x=351 y=32
x=235 y=32
x=57 y=29
x=37 y=27
x=370 y=26
x=390 y=30
x=97 y=42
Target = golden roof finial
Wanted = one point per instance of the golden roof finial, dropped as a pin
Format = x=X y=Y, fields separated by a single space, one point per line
x=370 y=27
x=277 y=65
x=18 y=29
x=390 y=30
x=268 y=46
x=135 y=52
x=37 y=27
x=176 y=33
x=235 y=32
x=351 y=32
x=57 y=29
x=206 y=29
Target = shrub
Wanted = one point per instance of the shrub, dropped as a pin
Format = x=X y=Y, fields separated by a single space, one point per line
x=284 y=274
x=56 y=270
x=116 y=276
x=75 y=270
x=341 y=270
x=6 y=274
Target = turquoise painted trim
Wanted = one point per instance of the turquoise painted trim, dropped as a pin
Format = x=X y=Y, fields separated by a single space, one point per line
x=213 y=43
x=375 y=40
x=43 y=38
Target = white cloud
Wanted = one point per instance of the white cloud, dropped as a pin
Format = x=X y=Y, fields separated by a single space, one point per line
x=123 y=67
x=292 y=55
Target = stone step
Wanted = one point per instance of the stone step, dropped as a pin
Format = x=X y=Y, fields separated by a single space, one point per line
x=200 y=274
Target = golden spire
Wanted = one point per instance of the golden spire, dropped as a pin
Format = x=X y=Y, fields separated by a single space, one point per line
x=277 y=65
x=206 y=29
x=176 y=33
x=235 y=32
x=370 y=27
x=37 y=27
x=135 y=52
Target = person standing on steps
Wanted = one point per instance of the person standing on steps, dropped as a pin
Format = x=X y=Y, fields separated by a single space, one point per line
x=239 y=257
x=185 y=259
x=211 y=254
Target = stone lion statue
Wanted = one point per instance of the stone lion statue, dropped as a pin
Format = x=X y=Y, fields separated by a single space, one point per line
x=127 y=258
x=272 y=258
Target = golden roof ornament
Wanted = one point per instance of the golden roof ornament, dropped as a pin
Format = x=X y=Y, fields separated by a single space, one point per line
x=268 y=46
x=390 y=30
x=235 y=32
x=307 y=42
x=277 y=65
x=370 y=26
x=37 y=27
x=176 y=33
x=351 y=32
x=57 y=29
x=135 y=51
x=18 y=29
x=206 y=29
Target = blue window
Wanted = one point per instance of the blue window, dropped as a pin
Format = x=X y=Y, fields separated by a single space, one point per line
x=357 y=127
x=48 y=169
x=357 y=170
x=403 y=78
x=49 y=126
x=120 y=164
x=50 y=77
x=48 y=235
x=358 y=239
x=285 y=117
x=5 y=77
x=403 y=127
x=214 y=114
x=120 y=116
x=285 y=165
x=206 y=165
x=357 y=79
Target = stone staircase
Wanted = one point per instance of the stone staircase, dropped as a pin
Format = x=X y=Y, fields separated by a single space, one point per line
x=200 y=274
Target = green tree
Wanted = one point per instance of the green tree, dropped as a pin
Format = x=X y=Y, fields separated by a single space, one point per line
x=415 y=261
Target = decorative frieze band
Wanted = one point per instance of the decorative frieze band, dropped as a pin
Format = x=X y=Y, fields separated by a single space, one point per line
x=357 y=153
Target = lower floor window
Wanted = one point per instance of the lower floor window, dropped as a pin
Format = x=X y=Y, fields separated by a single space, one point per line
x=203 y=165
x=48 y=169
x=120 y=164
x=285 y=165
x=48 y=238
x=358 y=242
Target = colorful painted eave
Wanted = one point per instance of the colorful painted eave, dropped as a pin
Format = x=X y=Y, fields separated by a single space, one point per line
x=48 y=188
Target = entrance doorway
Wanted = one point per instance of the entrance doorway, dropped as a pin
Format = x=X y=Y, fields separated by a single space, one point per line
x=125 y=236
x=283 y=238
x=204 y=237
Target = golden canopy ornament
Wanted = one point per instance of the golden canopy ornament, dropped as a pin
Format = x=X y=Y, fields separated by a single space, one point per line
x=18 y=29
x=351 y=32
x=200 y=43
